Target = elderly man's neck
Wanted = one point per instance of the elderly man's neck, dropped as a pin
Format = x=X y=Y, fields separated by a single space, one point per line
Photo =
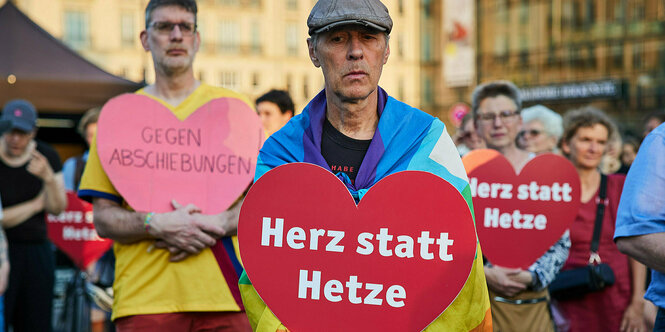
x=173 y=88
x=356 y=118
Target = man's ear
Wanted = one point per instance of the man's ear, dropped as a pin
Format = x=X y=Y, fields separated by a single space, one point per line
x=385 y=57
x=144 y=40
x=312 y=53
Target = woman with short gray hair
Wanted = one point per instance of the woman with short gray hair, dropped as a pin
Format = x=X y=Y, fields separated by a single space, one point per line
x=541 y=130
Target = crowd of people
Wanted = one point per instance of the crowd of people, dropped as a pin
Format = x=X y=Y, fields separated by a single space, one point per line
x=172 y=274
x=590 y=140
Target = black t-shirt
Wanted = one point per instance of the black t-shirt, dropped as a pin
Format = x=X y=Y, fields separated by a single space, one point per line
x=17 y=185
x=342 y=153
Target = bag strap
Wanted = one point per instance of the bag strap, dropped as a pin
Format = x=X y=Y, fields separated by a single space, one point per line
x=78 y=172
x=598 y=225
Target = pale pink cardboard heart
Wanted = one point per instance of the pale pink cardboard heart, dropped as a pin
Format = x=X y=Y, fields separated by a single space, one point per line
x=151 y=157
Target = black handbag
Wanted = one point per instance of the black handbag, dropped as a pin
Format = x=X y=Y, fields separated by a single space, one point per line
x=577 y=282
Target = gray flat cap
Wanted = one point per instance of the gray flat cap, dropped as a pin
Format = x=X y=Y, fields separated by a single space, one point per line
x=328 y=14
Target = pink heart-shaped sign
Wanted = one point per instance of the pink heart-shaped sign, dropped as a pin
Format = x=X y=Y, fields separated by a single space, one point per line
x=520 y=216
x=152 y=157
x=73 y=232
x=394 y=262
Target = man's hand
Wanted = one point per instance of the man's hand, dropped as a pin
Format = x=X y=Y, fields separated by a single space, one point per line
x=180 y=230
x=40 y=167
x=177 y=255
x=500 y=280
x=212 y=225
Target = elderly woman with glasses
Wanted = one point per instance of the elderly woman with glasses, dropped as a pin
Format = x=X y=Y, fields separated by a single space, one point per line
x=541 y=130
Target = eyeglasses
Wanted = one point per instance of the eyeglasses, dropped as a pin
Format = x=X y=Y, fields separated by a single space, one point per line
x=530 y=132
x=165 y=28
x=506 y=116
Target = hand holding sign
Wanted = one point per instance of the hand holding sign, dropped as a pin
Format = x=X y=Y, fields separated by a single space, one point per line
x=519 y=217
x=394 y=262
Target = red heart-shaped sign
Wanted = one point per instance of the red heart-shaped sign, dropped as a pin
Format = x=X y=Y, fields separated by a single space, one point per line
x=519 y=217
x=394 y=262
x=73 y=232
x=153 y=157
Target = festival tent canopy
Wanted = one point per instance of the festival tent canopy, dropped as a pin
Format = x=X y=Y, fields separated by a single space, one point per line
x=36 y=66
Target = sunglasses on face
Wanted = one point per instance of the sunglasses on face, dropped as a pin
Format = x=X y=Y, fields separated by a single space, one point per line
x=186 y=28
x=530 y=133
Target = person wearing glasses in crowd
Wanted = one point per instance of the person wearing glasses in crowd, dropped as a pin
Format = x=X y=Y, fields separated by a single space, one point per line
x=541 y=130
x=167 y=278
x=518 y=297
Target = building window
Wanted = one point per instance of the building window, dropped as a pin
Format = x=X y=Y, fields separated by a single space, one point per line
x=229 y=80
x=400 y=46
x=428 y=96
x=289 y=84
x=291 y=4
x=127 y=33
x=256 y=38
x=255 y=80
x=616 y=53
x=638 y=56
x=76 y=29
x=291 y=39
x=305 y=87
x=229 y=32
x=228 y=2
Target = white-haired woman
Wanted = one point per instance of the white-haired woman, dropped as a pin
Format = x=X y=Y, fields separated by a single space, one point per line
x=541 y=130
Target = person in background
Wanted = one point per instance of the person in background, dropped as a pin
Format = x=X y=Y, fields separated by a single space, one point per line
x=275 y=109
x=611 y=161
x=32 y=185
x=73 y=167
x=629 y=151
x=519 y=297
x=541 y=130
x=618 y=307
x=4 y=260
x=652 y=121
x=466 y=138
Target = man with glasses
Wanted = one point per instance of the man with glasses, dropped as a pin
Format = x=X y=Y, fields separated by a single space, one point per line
x=514 y=293
x=167 y=278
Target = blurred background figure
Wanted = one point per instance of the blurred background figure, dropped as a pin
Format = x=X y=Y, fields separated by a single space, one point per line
x=629 y=151
x=73 y=167
x=618 y=307
x=32 y=185
x=466 y=138
x=275 y=109
x=611 y=161
x=652 y=121
x=541 y=130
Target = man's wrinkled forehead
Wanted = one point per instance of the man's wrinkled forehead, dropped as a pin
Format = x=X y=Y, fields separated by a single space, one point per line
x=352 y=28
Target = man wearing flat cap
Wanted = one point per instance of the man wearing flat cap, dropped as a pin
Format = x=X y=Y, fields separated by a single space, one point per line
x=357 y=131
x=32 y=185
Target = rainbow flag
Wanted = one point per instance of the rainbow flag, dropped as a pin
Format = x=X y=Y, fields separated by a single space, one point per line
x=406 y=139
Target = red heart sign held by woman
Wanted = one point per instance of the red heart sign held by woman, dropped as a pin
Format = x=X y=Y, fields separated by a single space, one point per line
x=394 y=262
x=520 y=216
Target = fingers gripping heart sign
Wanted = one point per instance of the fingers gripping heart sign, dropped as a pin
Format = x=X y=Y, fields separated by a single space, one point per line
x=520 y=216
x=394 y=262
x=152 y=157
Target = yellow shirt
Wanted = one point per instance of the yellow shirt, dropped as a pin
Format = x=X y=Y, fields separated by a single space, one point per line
x=146 y=282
